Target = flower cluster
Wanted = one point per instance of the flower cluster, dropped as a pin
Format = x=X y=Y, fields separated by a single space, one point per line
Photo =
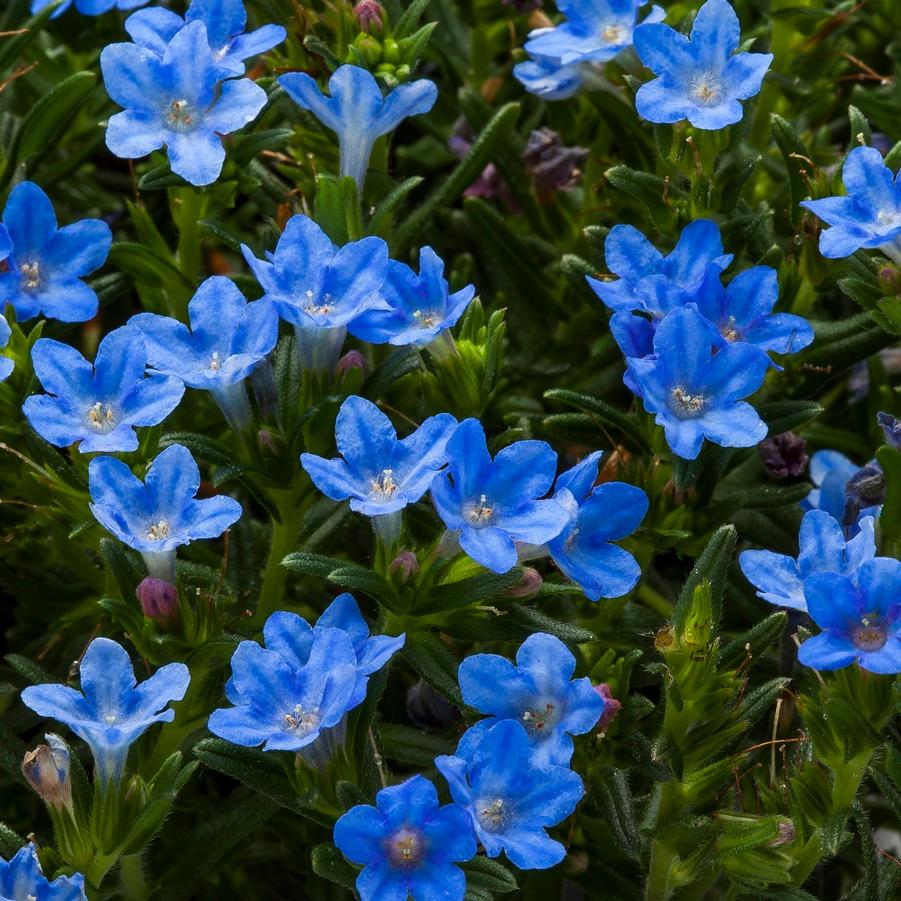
x=695 y=349
x=177 y=88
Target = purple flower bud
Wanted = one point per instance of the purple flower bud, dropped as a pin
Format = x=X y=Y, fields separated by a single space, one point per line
x=611 y=706
x=784 y=455
x=159 y=600
x=552 y=166
x=369 y=15
x=890 y=280
x=46 y=769
x=785 y=834
x=892 y=429
x=866 y=488
x=427 y=709
x=405 y=565
x=528 y=586
x=353 y=359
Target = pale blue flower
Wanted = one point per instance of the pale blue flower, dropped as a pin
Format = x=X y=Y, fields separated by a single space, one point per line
x=22 y=878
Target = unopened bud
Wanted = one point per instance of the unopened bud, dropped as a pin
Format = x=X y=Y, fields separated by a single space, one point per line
x=891 y=428
x=784 y=455
x=890 y=280
x=528 y=586
x=370 y=16
x=353 y=359
x=611 y=706
x=785 y=834
x=428 y=709
x=404 y=565
x=46 y=770
x=552 y=165
x=159 y=600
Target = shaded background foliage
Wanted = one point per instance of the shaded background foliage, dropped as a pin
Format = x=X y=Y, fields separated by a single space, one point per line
x=527 y=248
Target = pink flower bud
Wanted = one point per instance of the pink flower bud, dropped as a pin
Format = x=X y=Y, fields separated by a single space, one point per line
x=353 y=359
x=159 y=600
x=369 y=15
x=785 y=834
x=405 y=565
x=529 y=585
x=611 y=705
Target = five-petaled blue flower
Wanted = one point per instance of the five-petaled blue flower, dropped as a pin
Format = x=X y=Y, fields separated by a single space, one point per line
x=421 y=306
x=319 y=288
x=593 y=33
x=510 y=797
x=98 y=406
x=228 y=339
x=111 y=711
x=779 y=579
x=285 y=706
x=538 y=692
x=408 y=844
x=696 y=393
x=46 y=264
x=869 y=216
x=161 y=513
x=653 y=283
x=356 y=111
x=291 y=636
x=86 y=7
x=495 y=503
x=743 y=311
x=225 y=21
x=380 y=473
x=860 y=618
x=597 y=517
x=700 y=78
x=22 y=877
x=175 y=100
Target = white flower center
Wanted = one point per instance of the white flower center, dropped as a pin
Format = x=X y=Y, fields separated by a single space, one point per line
x=314 y=308
x=101 y=417
x=383 y=487
x=179 y=115
x=426 y=320
x=685 y=405
x=159 y=531
x=405 y=847
x=888 y=218
x=539 y=721
x=613 y=33
x=494 y=815
x=31 y=275
x=302 y=722
x=730 y=332
x=870 y=634
x=480 y=514
x=214 y=362
x=707 y=89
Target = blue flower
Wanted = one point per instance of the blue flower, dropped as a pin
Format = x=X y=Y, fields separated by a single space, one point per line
x=510 y=797
x=593 y=33
x=583 y=550
x=46 y=264
x=6 y=365
x=227 y=340
x=407 y=844
x=538 y=692
x=225 y=21
x=891 y=428
x=379 y=473
x=86 y=7
x=292 y=637
x=22 y=877
x=830 y=472
x=160 y=514
x=860 y=618
x=421 y=306
x=495 y=503
x=743 y=311
x=320 y=288
x=779 y=579
x=357 y=112
x=111 y=711
x=869 y=216
x=283 y=706
x=175 y=101
x=701 y=78
x=98 y=406
x=653 y=283
x=696 y=393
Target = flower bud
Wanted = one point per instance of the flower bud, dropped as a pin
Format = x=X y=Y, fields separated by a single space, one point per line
x=891 y=428
x=370 y=16
x=785 y=834
x=427 y=709
x=159 y=600
x=46 y=769
x=353 y=359
x=890 y=280
x=611 y=706
x=528 y=586
x=404 y=565
x=784 y=455
x=553 y=166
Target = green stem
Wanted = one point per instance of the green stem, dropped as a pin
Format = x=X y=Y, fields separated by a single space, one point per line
x=131 y=875
x=190 y=209
x=653 y=600
x=663 y=859
x=284 y=539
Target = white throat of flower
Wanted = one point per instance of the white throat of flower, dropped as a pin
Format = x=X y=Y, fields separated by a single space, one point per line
x=102 y=417
x=493 y=814
x=312 y=306
x=870 y=634
x=159 y=531
x=31 y=275
x=685 y=404
x=480 y=514
x=180 y=116
x=383 y=487
x=706 y=89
